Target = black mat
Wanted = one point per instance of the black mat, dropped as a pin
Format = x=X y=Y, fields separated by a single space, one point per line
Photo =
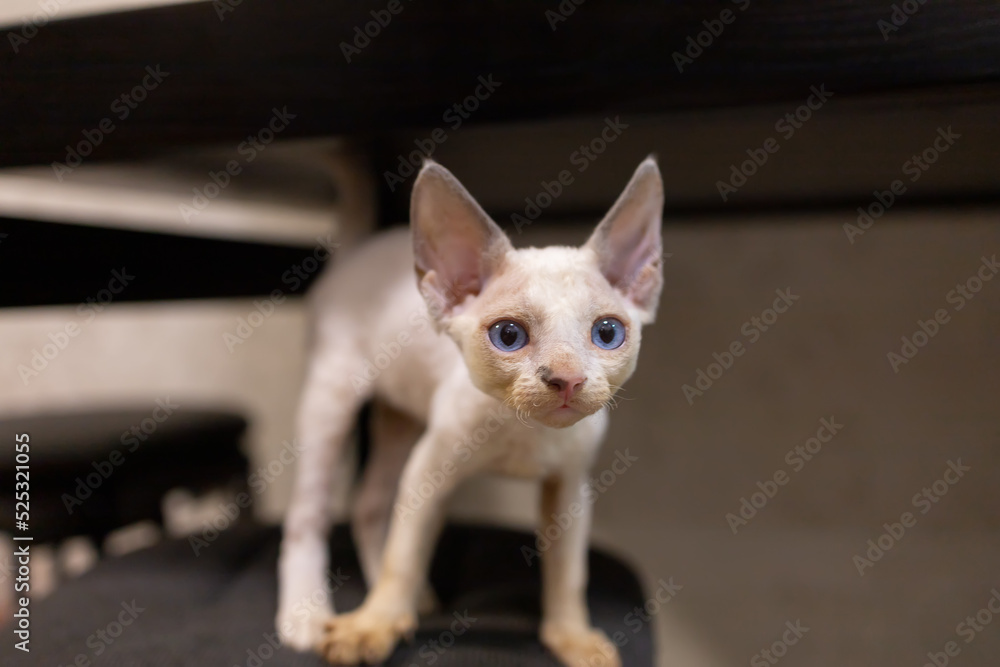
x=216 y=608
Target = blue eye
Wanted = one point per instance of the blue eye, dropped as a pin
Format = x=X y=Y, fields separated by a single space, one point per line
x=508 y=336
x=608 y=333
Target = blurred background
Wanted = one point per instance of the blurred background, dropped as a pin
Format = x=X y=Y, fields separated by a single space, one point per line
x=847 y=155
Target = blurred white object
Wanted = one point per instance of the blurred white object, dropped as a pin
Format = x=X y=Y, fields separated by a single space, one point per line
x=186 y=514
x=15 y=12
x=131 y=538
x=77 y=555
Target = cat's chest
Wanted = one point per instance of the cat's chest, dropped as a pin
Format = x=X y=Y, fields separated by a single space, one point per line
x=526 y=459
x=541 y=452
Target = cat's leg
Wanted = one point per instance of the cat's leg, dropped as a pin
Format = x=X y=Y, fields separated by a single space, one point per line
x=327 y=411
x=370 y=633
x=566 y=628
x=393 y=435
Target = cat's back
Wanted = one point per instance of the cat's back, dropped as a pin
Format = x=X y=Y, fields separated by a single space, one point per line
x=368 y=301
x=380 y=264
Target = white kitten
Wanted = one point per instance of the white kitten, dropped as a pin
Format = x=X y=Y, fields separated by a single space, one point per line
x=540 y=341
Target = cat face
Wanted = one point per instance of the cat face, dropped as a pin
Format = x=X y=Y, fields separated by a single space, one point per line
x=549 y=335
x=553 y=332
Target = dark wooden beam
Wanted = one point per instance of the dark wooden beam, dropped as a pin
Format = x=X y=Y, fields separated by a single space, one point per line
x=227 y=66
x=45 y=263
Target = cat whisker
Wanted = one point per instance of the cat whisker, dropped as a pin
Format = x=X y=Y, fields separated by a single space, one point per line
x=521 y=414
x=619 y=390
x=509 y=402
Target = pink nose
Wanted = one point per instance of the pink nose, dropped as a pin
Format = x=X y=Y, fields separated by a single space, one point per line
x=567 y=387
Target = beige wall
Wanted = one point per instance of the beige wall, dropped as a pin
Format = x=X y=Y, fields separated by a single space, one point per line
x=825 y=357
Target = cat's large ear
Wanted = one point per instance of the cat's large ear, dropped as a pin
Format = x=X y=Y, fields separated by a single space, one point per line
x=456 y=247
x=628 y=244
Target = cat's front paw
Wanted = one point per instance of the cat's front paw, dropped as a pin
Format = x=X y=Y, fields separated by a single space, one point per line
x=364 y=636
x=580 y=647
x=302 y=632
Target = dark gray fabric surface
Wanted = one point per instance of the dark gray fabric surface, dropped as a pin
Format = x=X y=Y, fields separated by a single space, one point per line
x=216 y=608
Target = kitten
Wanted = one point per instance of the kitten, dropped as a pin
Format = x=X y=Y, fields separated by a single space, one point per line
x=541 y=339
